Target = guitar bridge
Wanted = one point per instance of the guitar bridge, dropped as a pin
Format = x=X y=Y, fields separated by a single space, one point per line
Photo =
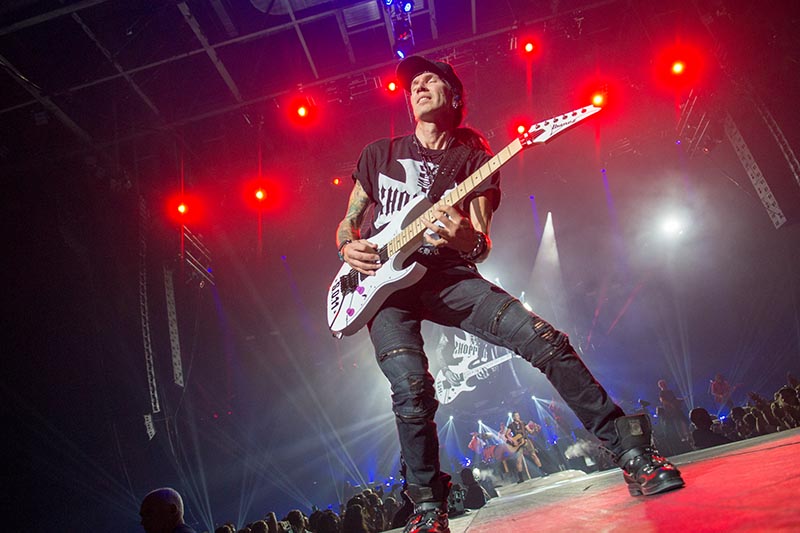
x=350 y=281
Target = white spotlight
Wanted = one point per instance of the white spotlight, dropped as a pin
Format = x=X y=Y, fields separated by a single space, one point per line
x=451 y=417
x=673 y=226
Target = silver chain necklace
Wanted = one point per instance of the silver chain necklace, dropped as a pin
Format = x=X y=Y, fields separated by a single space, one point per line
x=426 y=178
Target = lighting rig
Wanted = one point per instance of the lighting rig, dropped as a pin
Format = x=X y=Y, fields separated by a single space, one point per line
x=400 y=17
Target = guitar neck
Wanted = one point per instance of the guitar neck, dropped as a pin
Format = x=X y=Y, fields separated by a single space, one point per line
x=539 y=133
x=414 y=231
x=486 y=366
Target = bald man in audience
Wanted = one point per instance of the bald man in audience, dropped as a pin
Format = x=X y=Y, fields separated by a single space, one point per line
x=162 y=512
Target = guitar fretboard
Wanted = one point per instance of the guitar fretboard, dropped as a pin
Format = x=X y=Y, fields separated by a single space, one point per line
x=413 y=232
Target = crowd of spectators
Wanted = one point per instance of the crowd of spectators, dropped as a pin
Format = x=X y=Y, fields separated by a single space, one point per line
x=757 y=416
x=373 y=510
x=368 y=511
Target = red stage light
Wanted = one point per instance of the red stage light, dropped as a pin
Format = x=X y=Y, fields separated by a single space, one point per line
x=598 y=99
x=391 y=86
x=264 y=194
x=528 y=46
x=185 y=208
x=302 y=110
x=336 y=181
x=680 y=67
x=519 y=124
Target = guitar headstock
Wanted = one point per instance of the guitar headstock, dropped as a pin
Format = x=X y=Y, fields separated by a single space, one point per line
x=542 y=132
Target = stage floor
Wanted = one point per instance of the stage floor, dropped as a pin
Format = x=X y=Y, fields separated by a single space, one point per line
x=751 y=485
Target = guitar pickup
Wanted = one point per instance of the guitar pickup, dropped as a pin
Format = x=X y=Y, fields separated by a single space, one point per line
x=349 y=282
x=383 y=254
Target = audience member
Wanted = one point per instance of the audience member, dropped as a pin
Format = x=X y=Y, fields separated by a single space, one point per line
x=475 y=497
x=329 y=523
x=162 y=512
x=355 y=520
x=272 y=522
x=374 y=510
x=298 y=521
x=703 y=436
x=390 y=507
x=786 y=408
x=259 y=526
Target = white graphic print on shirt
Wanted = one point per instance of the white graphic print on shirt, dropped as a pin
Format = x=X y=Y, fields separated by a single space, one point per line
x=393 y=195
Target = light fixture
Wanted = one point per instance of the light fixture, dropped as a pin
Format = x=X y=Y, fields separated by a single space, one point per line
x=400 y=15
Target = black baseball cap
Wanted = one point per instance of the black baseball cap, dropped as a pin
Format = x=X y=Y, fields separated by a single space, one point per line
x=413 y=66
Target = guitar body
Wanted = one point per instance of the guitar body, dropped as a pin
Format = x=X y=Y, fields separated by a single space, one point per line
x=349 y=311
x=515 y=443
x=447 y=392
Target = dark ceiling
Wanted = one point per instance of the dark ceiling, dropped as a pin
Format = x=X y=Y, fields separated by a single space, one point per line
x=105 y=70
x=94 y=72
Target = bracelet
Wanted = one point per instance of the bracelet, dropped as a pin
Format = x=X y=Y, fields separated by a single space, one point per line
x=479 y=250
x=341 y=247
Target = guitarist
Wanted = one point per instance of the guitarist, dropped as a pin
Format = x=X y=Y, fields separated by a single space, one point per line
x=516 y=438
x=388 y=174
x=722 y=391
x=453 y=356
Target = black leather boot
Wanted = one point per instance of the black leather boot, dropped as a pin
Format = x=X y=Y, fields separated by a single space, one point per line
x=430 y=508
x=646 y=471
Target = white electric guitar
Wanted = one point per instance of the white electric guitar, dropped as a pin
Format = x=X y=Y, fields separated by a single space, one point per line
x=446 y=392
x=354 y=298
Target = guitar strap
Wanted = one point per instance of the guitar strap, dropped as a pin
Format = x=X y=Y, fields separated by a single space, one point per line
x=453 y=163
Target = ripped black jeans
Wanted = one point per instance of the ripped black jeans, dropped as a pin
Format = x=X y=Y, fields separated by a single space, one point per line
x=460 y=297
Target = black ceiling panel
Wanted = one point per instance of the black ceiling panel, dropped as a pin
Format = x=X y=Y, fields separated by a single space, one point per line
x=140 y=32
x=38 y=53
x=327 y=47
x=267 y=64
x=185 y=87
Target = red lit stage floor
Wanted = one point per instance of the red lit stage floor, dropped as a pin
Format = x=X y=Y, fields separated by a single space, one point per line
x=752 y=485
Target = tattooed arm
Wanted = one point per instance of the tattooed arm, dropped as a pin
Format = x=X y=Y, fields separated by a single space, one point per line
x=358 y=253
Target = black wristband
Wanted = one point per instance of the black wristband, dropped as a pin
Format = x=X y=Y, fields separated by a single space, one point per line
x=341 y=247
x=479 y=250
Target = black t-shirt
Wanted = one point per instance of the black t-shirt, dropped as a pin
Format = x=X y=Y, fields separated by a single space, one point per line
x=517 y=428
x=392 y=173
